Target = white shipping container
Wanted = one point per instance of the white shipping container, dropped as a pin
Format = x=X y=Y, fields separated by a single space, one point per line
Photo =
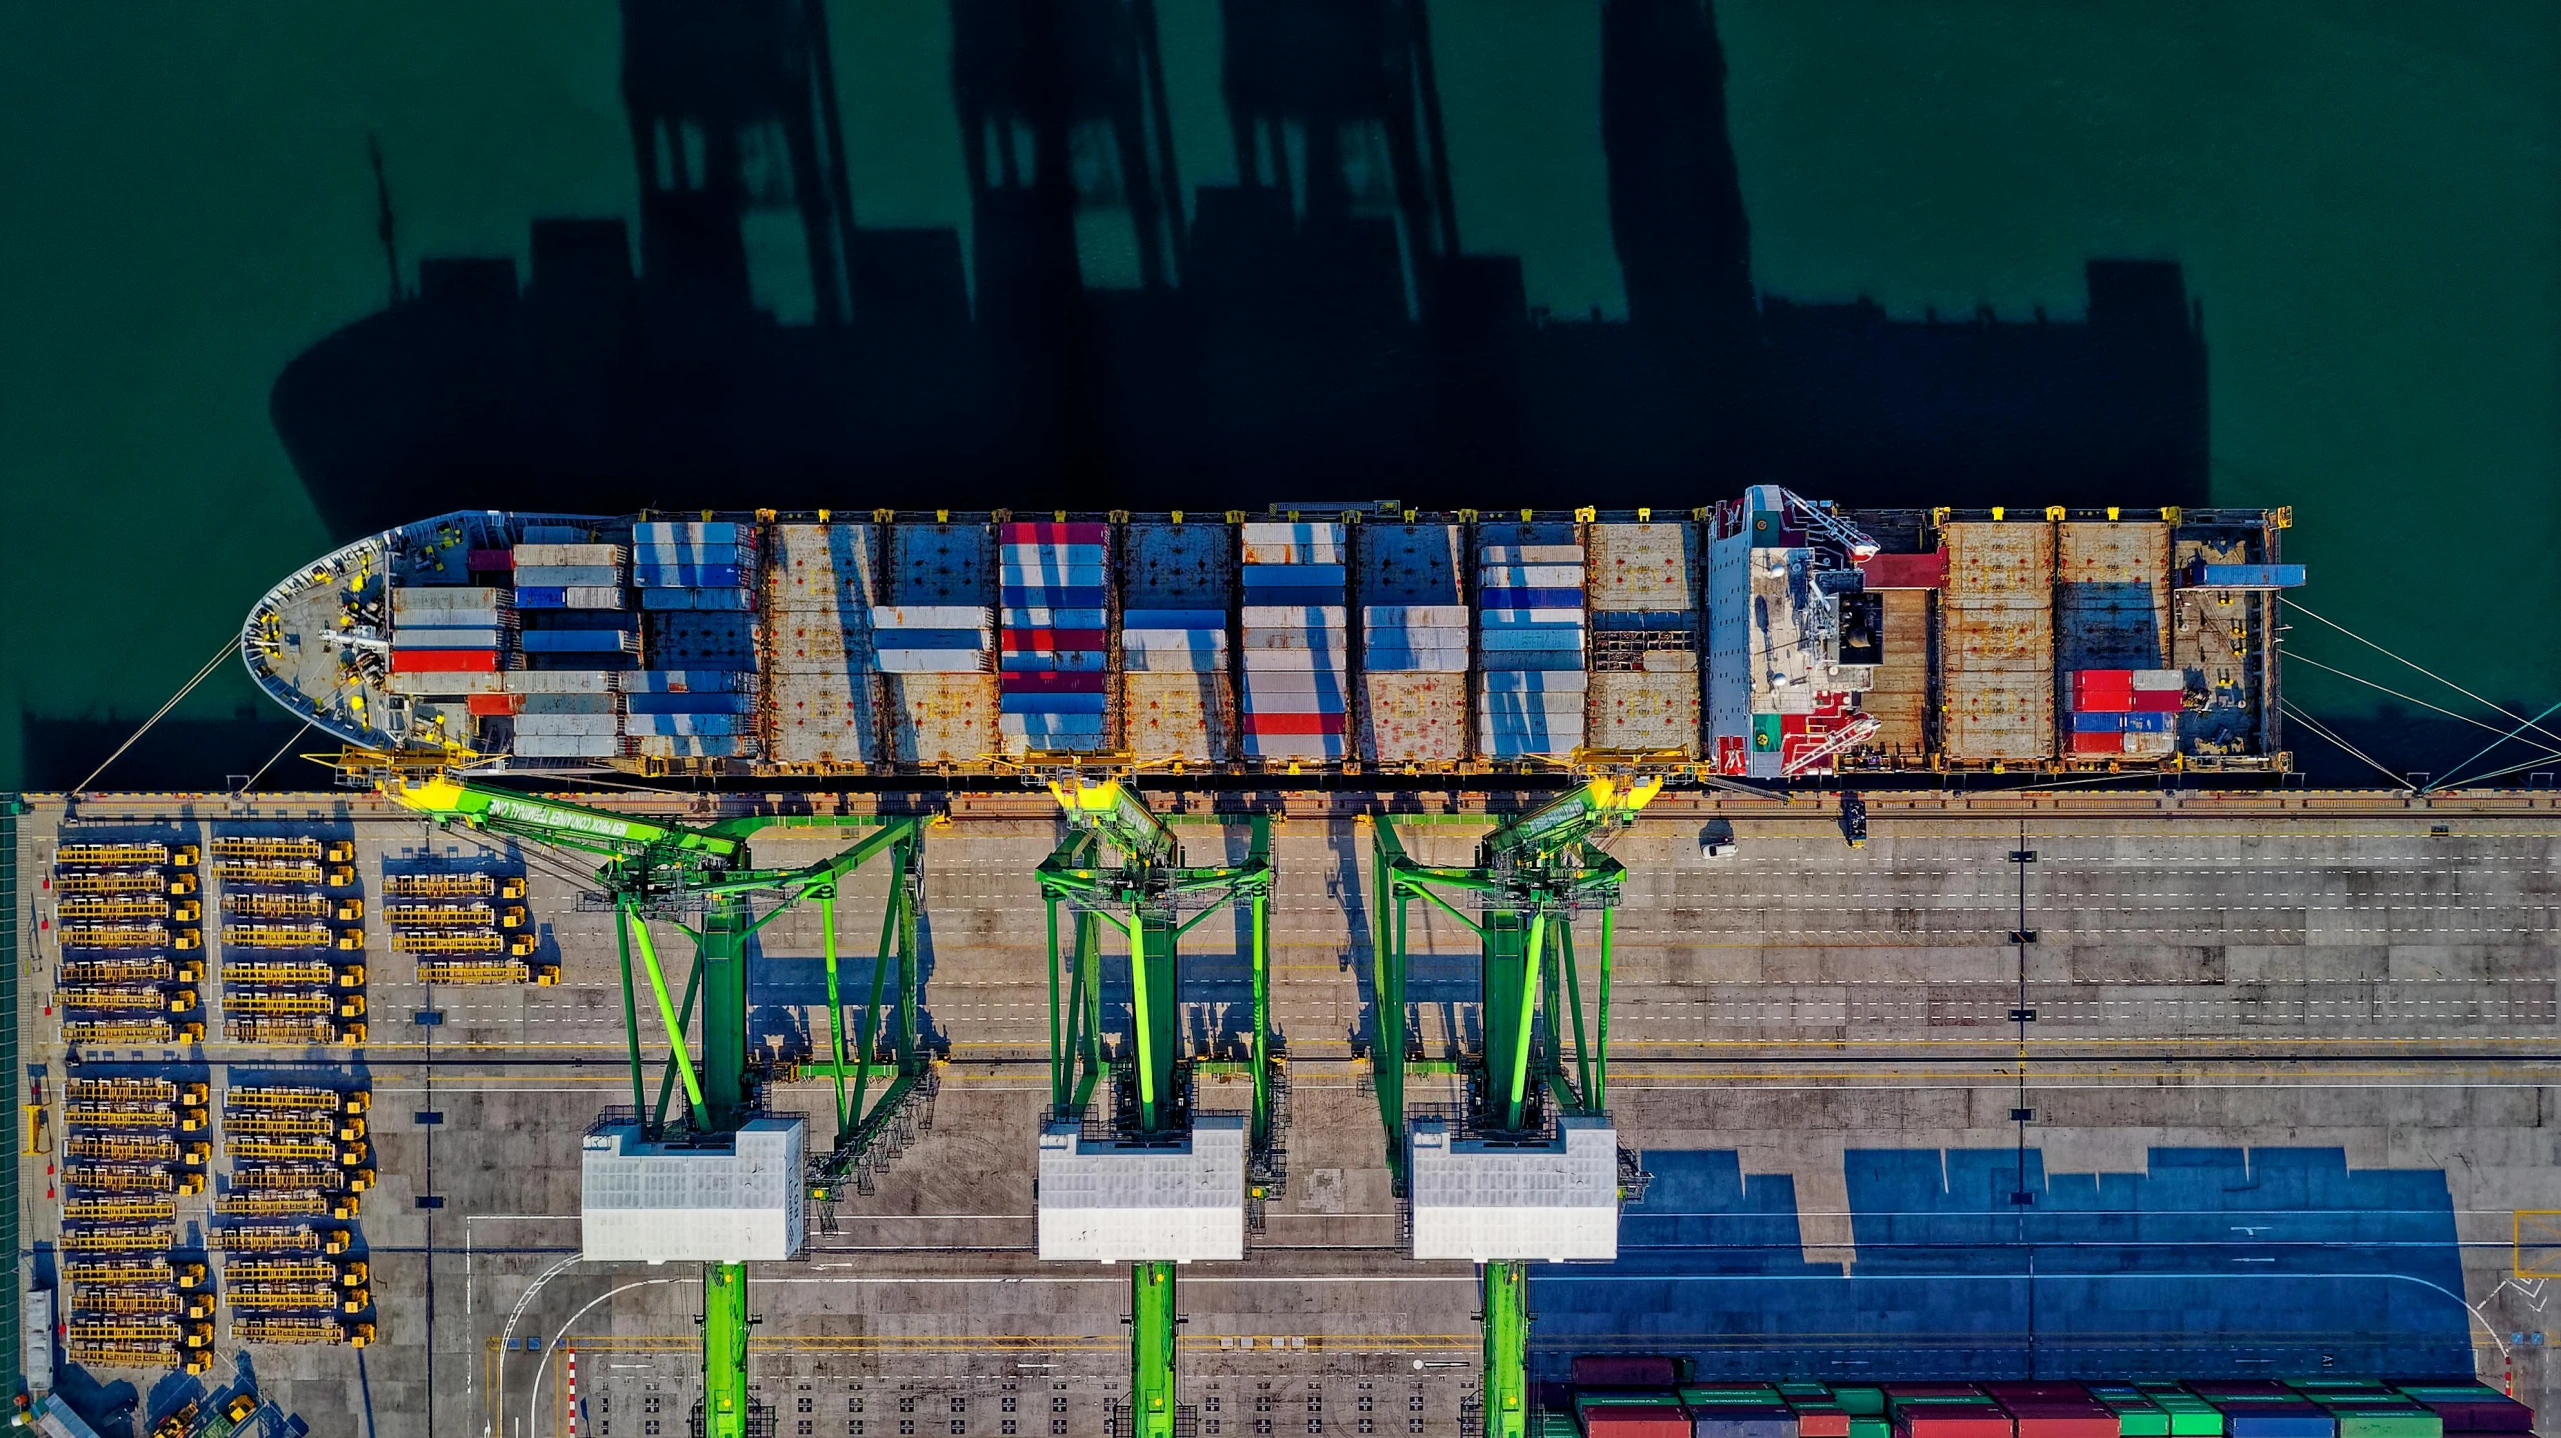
x=1536 y=681
x=1330 y=641
x=1295 y=616
x=929 y=661
x=593 y=596
x=567 y=724
x=535 y=555
x=443 y=683
x=560 y=681
x=1530 y=576
x=932 y=616
x=2160 y=679
x=566 y=746
x=1052 y=618
x=1375 y=617
x=1295 y=661
x=407 y=599
x=1515 y=618
x=1545 y=636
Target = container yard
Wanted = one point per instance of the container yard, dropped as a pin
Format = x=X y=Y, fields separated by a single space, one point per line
x=1768 y=637
x=2223 y=1114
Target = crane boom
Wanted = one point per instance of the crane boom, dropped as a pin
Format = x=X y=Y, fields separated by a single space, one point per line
x=661 y=870
x=1533 y=874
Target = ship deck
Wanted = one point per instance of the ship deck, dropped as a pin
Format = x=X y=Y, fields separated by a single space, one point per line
x=2263 y=999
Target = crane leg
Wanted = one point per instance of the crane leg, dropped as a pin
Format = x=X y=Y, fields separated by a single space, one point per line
x=1151 y=1349
x=724 y=1350
x=1506 y=1390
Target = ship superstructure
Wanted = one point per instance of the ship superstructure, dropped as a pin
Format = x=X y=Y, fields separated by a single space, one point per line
x=1770 y=637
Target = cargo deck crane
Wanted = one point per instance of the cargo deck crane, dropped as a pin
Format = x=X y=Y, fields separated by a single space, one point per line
x=1535 y=873
x=654 y=869
x=1122 y=865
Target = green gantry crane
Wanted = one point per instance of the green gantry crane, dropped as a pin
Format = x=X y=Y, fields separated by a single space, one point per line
x=1141 y=890
x=661 y=870
x=1534 y=874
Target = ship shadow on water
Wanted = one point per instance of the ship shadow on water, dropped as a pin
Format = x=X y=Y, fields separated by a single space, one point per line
x=1316 y=328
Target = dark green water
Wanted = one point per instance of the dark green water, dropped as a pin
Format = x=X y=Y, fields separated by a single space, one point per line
x=2366 y=197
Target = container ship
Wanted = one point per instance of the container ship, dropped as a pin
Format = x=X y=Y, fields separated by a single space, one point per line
x=1769 y=637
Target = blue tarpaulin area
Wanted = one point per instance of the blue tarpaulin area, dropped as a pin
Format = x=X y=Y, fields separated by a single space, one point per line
x=2209 y=1263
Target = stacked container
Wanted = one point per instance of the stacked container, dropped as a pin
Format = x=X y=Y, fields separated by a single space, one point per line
x=2132 y=712
x=1052 y=685
x=821 y=677
x=1742 y=1410
x=1297 y=642
x=1176 y=698
x=1632 y=1414
x=1531 y=683
x=1997 y=646
x=1945 y=1410
x=935 y=638
x=568 y=575
x=697 y=581
x=1414 y=644
x=2053 y=1410
x=1645 y=630
x=2258 y=1408
x=447 y=639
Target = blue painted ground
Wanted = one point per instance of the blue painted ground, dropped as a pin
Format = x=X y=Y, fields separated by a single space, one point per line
x=2214 y=1262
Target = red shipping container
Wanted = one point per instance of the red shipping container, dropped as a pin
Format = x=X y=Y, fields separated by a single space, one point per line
x=2158 y=701
x=1280 y=725
x=444 y=661
x=1906 y=571
x=1953 y=1420
x=2098 y=743
x=1047 y=532
x=1823 y=1423
x=1624 y=1370
x=1051 y=681
x=2103 y=691
x=1635 y=1420
x=1051 y=641
x=490 y=703
x=491 y=559
x=2485 y=1414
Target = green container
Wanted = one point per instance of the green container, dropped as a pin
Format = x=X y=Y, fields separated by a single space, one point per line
x=1555 y=1425
x=2385 y=1419
x=1865 y=1400
x=1739 y=1395
x=1870 y=1428
x=1822 y=1391
x=2190 y=1416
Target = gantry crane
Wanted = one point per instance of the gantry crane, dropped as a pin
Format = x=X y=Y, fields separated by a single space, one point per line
x=666 y=871
x=1122 y=864
x=1534 y=875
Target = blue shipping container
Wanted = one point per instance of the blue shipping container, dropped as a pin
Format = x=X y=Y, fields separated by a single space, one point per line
x=691 y=703
x=701 y=531
x=1530 y=599
x=1069 y=596
x=544 y=597
x=2202 y=575
x=2086 y=722
x=2143 y=723
x=574 y=641
x=685 y=576
x=1162 y=619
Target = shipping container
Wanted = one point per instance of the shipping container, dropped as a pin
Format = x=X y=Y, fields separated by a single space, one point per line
x=1996 y=648
x=1899 y=697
